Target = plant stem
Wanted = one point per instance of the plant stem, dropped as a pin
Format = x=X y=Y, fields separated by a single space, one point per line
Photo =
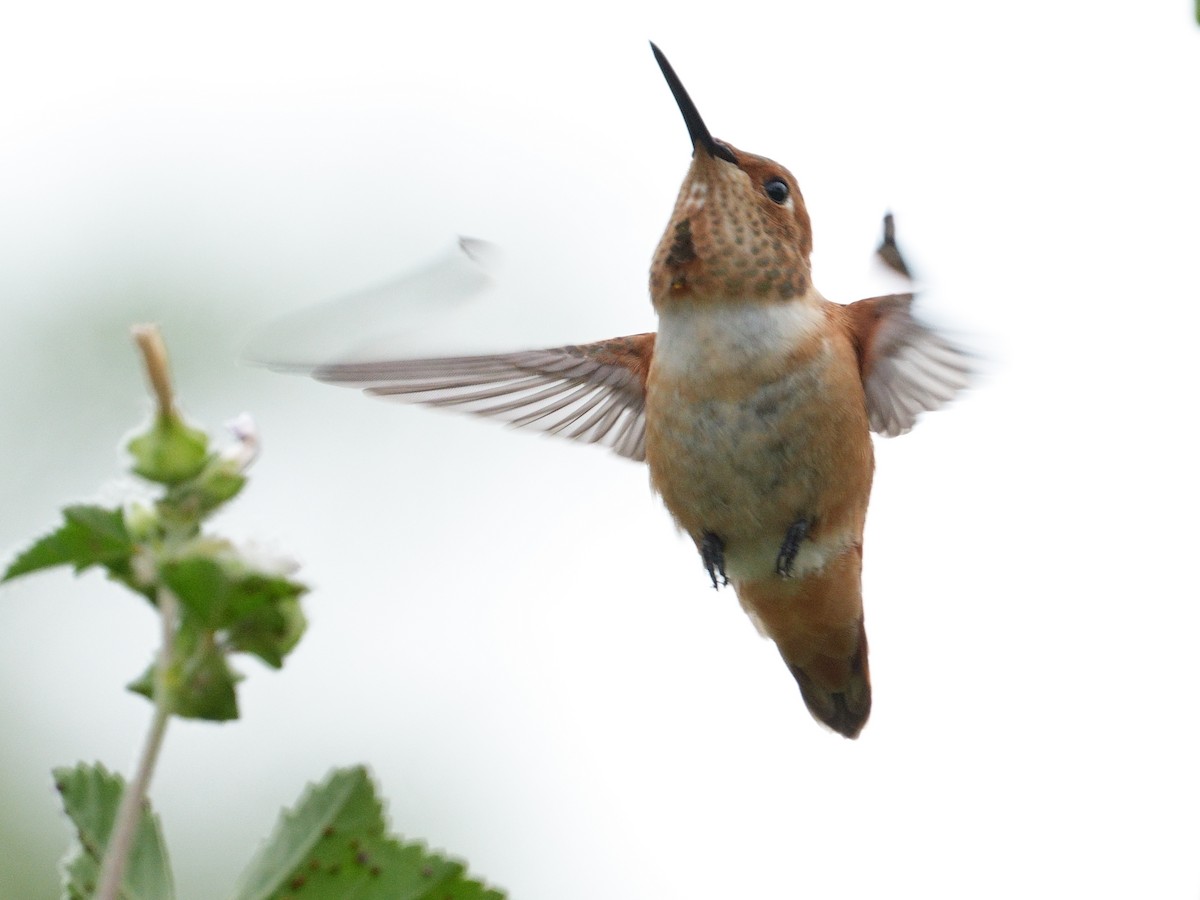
x=133 y=800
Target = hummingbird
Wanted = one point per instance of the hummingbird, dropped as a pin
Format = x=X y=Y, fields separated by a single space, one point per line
x=752 y=406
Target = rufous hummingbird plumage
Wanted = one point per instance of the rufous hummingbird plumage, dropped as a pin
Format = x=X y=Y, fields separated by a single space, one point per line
x=752 y=406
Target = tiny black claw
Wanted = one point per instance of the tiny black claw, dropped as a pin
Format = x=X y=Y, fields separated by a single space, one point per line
x=712 y=551
x=795 y=536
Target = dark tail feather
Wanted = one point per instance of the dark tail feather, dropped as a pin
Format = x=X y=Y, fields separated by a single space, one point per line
x=816 y=622
x=838 y=691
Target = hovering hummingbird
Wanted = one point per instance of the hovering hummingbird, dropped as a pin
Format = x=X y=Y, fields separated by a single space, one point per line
x=752 y=406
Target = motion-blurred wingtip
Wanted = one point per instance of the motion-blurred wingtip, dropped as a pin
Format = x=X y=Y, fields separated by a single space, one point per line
x=483 y=253
x=373 y=323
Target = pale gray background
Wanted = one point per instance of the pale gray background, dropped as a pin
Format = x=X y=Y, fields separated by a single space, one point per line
x=507 y=628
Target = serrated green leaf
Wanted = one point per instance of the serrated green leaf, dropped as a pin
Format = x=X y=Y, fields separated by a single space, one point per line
x=91 y=796
x=105 y=528
x=334 y=845
x=46 y=552
x=170 y=451
x=270 y=633
x=89 y=536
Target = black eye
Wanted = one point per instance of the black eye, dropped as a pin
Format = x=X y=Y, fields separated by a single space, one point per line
x=777 y=190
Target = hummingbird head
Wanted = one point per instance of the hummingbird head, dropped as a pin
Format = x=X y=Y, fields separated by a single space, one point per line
x=739 y=230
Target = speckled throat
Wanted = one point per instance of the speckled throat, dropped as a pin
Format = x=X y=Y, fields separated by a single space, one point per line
x=727 y=239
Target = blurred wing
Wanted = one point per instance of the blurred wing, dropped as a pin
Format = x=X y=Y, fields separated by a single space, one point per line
x=591 y=392
x=374 y=323
x=907 y=368
x=888 y=252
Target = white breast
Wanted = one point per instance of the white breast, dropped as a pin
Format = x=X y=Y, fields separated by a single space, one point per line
x=709 y=340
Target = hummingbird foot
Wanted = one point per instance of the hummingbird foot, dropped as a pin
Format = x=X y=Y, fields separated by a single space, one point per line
x=795 y=536
x=712 y=552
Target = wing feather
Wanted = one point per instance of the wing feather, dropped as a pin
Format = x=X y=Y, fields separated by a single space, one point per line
x=589 y=392
x=907 y=367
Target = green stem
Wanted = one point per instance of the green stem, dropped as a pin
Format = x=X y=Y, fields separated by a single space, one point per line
x=133 y=800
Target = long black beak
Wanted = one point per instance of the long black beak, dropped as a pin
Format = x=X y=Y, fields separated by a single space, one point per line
x=701 y=139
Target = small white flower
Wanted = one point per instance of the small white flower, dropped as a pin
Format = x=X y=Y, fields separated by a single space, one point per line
x=243 y=451
x=266 y=560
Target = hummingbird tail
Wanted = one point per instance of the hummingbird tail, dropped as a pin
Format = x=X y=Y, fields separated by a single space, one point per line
x=837 y=691
x=816 y=621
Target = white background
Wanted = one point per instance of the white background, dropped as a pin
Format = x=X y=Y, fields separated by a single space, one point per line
x=507 y=628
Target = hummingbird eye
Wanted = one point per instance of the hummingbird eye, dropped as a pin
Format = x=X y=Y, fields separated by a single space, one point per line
x=777 y=190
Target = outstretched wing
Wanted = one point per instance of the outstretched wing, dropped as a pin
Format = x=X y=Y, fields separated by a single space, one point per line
x=591 y=392
x=907 y=368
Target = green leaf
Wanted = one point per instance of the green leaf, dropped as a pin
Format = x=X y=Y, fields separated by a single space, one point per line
x=89 y=536
x=170 y=452
x=143 y=684
x=199 y=682
x=221 y=592
x=334 y=845
x=270 y=633
x=201 y=585
x=199 y=496
x=220 y=485
x=90 y=797
x=205 y=688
